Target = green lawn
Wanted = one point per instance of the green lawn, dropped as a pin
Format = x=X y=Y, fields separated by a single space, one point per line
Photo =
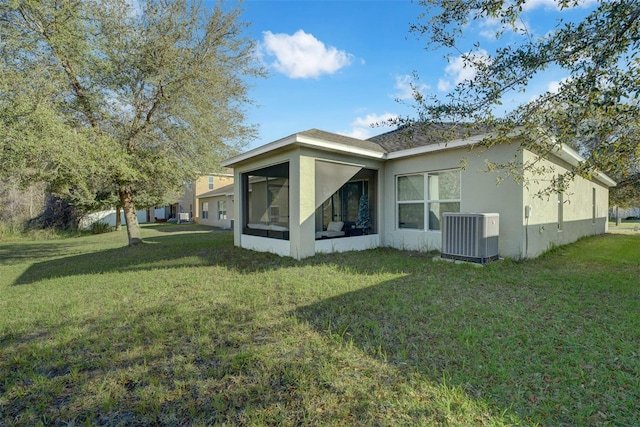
x=187 y=329
x=627 y=226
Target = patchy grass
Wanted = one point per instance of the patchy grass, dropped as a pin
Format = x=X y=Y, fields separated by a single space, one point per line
x=627 y=226
x=185 y=328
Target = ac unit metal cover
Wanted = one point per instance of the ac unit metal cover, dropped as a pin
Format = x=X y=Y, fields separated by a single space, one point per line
x=470 y=236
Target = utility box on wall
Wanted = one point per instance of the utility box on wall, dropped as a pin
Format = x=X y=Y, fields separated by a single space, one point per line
x=470 y=236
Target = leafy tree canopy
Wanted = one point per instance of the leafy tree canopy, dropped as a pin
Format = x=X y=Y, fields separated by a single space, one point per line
x=596 y=107
x=101 y=97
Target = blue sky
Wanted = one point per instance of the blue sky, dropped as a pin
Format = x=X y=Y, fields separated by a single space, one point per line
x=341 y=65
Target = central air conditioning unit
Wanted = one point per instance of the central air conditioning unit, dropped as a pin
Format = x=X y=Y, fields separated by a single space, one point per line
x=470 y=236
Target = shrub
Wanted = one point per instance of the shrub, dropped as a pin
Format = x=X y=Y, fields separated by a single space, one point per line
x=100 y=227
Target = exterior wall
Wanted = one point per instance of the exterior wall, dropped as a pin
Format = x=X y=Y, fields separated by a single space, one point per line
x=302 y=221
x=479 y=193
x=186 y=202
x=523 y=232
x=544 y=228
x=201 y=186
x=213 y=219
x=356 y=243
x=279 y=247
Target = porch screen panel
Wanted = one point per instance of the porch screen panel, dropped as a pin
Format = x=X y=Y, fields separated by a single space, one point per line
x=330 y=177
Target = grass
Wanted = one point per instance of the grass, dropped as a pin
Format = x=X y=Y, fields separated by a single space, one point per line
x=627 y=226
x=187 y=329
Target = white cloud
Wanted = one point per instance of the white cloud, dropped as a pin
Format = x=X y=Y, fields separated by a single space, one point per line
x=462 y=68
x=554 y=86
x=444 y=85
x=553 y=4
x=302 y=56
x=403 y=85
x=491 y=27
x=362 y=127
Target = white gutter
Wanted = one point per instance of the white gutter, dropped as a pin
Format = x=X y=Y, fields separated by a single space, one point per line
x=338 y=147
x=572 y=157
x=297 y=139
x=263 y=149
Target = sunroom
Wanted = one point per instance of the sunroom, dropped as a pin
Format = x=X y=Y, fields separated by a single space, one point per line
x=302 y=196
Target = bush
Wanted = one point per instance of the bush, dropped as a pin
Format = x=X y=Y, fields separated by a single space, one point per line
x=100 y=227
x=9 y=231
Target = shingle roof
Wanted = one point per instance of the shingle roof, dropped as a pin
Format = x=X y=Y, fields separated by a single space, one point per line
x=421 y=134
x=341 y=139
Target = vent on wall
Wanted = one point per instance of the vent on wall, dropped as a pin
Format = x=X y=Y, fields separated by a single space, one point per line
x=470 y=236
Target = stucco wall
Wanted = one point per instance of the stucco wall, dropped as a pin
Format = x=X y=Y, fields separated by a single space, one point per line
x=542 y=228
x=213 y=211
x=480 y=192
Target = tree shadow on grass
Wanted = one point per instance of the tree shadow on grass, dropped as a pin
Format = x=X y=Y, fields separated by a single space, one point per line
x=204 y=247
x=166 y=251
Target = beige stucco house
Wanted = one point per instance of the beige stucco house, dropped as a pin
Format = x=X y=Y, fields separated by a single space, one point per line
x=216 y=207
x=316 y=191
x=189 y=203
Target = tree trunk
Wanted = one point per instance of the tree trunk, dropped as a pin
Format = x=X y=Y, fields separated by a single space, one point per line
x=130 y=217
x=118 y=219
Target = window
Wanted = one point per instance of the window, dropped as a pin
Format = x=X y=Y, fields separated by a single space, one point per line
x=411 y=201
x=222 y=209
x=210 y=183
x=433 y=193
x=205 y=210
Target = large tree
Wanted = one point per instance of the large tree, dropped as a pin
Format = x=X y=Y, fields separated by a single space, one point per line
x=122 y=96
x=595 y=109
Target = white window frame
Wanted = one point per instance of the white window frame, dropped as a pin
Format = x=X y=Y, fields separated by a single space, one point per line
x=426 y=201
x=205 y=210
x=222 y=213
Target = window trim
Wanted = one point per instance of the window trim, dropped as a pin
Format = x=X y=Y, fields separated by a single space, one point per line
x=204 y=208
x=426 y=200
x=222 y=214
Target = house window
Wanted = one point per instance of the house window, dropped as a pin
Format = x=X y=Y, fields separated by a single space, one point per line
x=222 y=209
x=210 y=183
x=410 y=198
x=205 y=210
x=423 y=198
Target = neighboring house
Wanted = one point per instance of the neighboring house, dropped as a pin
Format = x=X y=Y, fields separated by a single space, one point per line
x=216 y=207
x=306 y=193
x=188 y=201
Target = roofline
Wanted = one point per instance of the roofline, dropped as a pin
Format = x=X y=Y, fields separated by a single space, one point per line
x=298 y=139
x=308 y=141
x=574 y=158
x=440 y=146
x=263 y=149
x=564 y=152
